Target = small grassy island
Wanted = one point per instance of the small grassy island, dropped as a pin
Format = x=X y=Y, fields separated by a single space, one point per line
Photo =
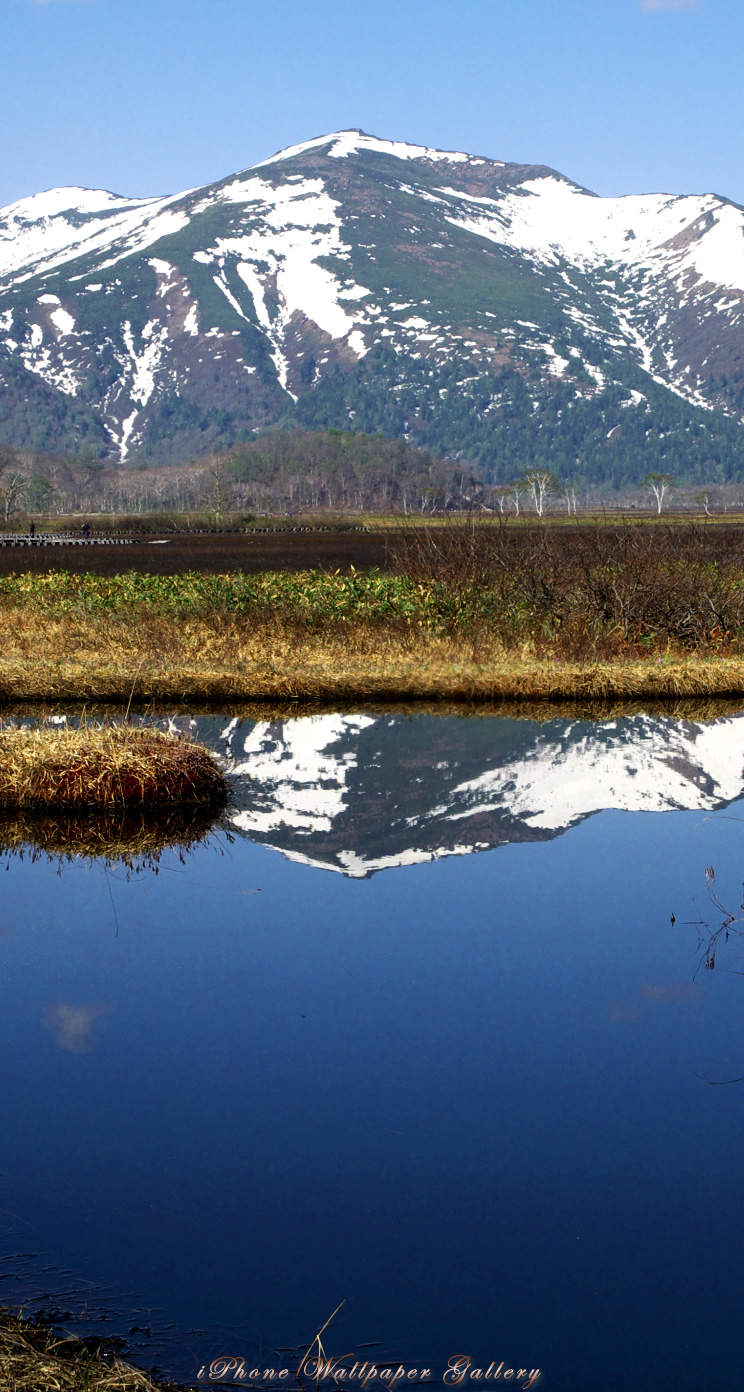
x=114 y=790
x=106 y=767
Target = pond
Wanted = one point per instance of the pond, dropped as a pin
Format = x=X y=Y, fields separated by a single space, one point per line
x=432 y=1025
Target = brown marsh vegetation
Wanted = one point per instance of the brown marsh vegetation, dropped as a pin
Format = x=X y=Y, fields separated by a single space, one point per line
x=592 y=590
x=109 y=766
x=35 y=1359
x=486 y=612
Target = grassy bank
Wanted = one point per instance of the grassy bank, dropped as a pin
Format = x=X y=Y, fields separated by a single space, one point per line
x=34 y=1359
x=467 y=614
x=223 y=662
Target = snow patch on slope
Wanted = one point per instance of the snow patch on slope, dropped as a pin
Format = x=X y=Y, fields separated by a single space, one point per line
x=62 y=321
x=141 y=367
x=40 y=233
x=351 y=142
x=287 y=231
x=554 y=219
x=648 y=245
x=639 y=251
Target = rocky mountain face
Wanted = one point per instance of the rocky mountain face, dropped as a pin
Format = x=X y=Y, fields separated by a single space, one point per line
x=363 y=793
x=487 y=310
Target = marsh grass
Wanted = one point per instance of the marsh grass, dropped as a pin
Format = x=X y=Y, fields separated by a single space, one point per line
x=225 y=660
x=35 y=1359
x=105 y=766
x=464 y=614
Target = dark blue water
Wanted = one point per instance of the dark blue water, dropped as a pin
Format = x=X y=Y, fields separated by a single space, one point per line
x=469 y=1097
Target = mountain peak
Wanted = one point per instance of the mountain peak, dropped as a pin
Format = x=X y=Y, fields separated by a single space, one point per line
x=353 y=142
x=490 y=310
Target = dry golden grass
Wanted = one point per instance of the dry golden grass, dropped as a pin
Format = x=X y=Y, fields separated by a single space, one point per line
x=692 y=708
x=228 y=658
x=105 y=766
x=33 y=1359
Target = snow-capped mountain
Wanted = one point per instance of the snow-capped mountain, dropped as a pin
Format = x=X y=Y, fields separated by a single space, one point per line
x=357 y=280
x=361 y=793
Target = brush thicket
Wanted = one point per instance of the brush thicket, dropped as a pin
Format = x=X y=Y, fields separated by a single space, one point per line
x=105 y=767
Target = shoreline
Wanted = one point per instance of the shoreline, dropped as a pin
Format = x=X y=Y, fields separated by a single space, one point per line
x=326 y=673
x=33 y=1358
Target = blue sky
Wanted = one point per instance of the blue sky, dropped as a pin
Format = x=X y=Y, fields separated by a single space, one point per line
x=151 y=96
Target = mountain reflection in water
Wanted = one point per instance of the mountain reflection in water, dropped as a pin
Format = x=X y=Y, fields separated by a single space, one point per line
x=366 y=792
x=470 y=1099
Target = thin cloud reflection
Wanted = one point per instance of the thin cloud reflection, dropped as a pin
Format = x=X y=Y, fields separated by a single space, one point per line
x=76 y=1028
x=672 y=991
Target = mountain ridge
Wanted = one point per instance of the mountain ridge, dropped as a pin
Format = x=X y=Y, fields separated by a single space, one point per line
x=480 y=308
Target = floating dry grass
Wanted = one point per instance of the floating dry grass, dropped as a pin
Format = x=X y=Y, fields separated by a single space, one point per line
x=35 y=1359
x=105 y=767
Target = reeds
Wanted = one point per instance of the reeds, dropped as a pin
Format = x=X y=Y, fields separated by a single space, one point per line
x=34 y=1359
x=105 y=767
x=587 y=590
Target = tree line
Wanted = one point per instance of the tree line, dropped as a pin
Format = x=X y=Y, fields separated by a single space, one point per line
x=293 y=472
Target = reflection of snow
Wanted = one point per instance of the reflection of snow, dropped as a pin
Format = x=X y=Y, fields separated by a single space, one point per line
x=292 y=779
x=644 y=765
x=303 y=782
x=357 y=866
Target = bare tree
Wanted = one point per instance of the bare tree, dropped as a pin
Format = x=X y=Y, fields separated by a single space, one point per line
x=540 y=483
x=516 y=490
x=500 y=494
x=7 y=460
x=218 y=493
x=569 y=494
x=12 y=490
x=660 y=485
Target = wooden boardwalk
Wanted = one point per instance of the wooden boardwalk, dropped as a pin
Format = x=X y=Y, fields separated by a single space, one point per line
x=61 y=539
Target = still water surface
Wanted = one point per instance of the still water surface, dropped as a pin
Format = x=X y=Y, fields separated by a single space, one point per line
x=419 y=1035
